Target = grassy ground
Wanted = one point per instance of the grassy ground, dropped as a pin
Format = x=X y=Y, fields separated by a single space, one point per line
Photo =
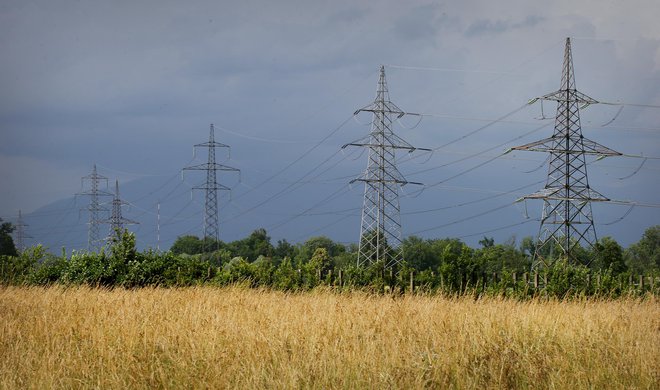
x=233 y=337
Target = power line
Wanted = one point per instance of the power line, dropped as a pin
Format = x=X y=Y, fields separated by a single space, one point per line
x=567 y=219
x=380 y=226
x=461 y=220
x=211 y=186
x=94 y=208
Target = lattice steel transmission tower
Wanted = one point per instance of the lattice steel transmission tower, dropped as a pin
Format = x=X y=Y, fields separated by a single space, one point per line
x=117 y=221
x=211 y=186
x=21 y=235
x=567 y=220
x=94 y=241
x=380 y=228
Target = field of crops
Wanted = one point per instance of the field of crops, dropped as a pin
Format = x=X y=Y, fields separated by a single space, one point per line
x=207 y=337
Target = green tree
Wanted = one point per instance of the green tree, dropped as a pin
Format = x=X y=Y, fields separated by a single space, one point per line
x=190 y=245
x=7 y=246
x=419 y=253
x=284 y=249
x=487 y=242
x=609 y=255
x=255 y=245
x=644 y=256
x=308 y=249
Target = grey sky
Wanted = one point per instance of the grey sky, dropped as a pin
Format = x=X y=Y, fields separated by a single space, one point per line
x=131 y=86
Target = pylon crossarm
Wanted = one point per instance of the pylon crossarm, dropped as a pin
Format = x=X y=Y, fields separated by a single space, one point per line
x=551 y=145
x=592 y=147
x=392 y=181
x=212 y=187
x=565 y=198
x=211 y=145
x=563 y=95
x=386 y=107
x=210 y=167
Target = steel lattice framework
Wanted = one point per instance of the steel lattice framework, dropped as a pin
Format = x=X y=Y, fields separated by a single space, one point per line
x=211 y=186
x=567 y=220
x=117 y=221
x=94 y=241
x=380 y=230
x=21 y=235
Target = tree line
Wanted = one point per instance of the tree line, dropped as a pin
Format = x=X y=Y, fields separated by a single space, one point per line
x=446 y=264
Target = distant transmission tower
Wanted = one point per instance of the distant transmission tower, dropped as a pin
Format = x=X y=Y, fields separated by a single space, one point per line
x=380 y=230
x=211 y=186
x=117 y=221
x=567 y=220
x=20 y=233
x=94 y=241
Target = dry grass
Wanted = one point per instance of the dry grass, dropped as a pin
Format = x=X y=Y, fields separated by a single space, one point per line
x=232 y=337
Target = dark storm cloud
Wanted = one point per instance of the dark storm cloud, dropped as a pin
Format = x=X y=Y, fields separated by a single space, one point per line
x=132 y=85
x=487 y=26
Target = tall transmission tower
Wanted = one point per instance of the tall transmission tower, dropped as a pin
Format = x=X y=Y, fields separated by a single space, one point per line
x=21 y=235
x=380 y=227
x=211 y=186
x=94 y=241
x=117 y=221
x=567 y=220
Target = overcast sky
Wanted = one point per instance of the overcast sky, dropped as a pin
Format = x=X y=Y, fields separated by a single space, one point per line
x=132 y=85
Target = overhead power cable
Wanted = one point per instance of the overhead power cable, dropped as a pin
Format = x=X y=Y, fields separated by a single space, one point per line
x=461 y=220
x=500 y=228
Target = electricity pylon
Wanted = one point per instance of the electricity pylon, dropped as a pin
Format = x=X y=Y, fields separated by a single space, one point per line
x=380 y=228
x=567 y=220
x=94 y=208
x=21 y=235
x=117 y=221
x=211 y=186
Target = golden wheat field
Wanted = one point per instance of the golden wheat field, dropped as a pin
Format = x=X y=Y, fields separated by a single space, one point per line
x=208 y=337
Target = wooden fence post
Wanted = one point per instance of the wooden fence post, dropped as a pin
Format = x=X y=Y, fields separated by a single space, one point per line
x=330 y=278
x=598 y=281
x=515 y=278
x=412 y=282
x=588 y=280
x=341 y=282
x=641 y=282
x=536 y=280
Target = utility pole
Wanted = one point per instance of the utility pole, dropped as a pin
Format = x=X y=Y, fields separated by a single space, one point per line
x=211 y=186
x=20 y=233
x=158 y=226
x=94 y=208
x=380 y=227
x=117 y=221
x=567 y=221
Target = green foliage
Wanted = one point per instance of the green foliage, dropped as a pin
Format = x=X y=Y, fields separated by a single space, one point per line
x=644 y=256
x=7 y=247
x=255 y=245
x=445 y=266
x=50 y=270
x=18 y=269
x=192 y=245
x=286 y=277
x=609 y=256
